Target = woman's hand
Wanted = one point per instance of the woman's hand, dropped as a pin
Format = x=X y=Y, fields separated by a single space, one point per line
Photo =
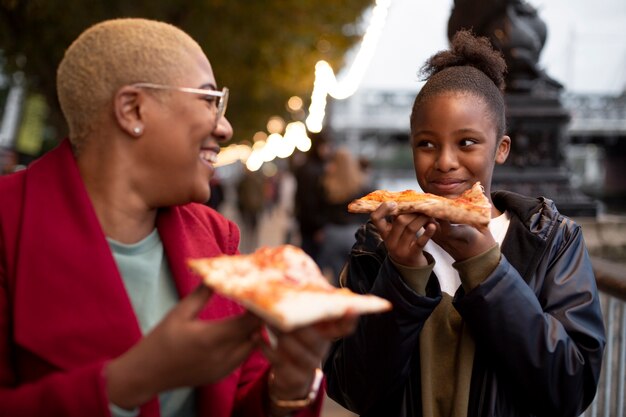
x=405 y=235
x=296 y=355
x=181 y=351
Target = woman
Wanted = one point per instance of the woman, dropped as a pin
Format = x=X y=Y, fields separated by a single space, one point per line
x=503 y=321
x=94 y=237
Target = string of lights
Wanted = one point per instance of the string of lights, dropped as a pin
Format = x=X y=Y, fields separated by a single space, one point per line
x=278 y=145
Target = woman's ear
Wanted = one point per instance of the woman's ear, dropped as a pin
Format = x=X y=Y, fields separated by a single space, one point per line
x=502 y=152
x=127 y=110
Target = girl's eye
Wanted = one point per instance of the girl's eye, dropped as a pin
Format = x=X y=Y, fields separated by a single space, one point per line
x=423 y=143
x=467 y=142
x=210 y=99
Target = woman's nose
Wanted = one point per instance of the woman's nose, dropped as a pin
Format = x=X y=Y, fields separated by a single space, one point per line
x=223 y=130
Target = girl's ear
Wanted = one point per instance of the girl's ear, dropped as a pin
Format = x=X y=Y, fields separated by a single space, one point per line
x=502 y=152
x=127 y=110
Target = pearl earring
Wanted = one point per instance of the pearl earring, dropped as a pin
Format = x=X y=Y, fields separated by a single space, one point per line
x=137 y=130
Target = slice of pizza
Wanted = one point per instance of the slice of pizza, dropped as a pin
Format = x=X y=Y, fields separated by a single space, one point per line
x=472 y=207
x=282 y=285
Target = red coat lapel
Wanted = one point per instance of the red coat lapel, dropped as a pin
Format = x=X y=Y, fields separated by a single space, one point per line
x=190 y=231
x=71 y=306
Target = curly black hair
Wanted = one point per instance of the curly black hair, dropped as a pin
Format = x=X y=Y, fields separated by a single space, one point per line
x=471 y=65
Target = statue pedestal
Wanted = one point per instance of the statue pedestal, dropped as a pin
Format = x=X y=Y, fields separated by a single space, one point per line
x=536 y=166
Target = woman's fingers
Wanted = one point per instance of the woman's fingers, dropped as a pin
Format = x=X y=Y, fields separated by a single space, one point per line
x=193 y=303
x=220 y=334
x=334 y=329
x=304 y=347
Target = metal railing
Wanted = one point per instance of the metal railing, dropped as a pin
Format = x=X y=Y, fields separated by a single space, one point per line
x=610 y=398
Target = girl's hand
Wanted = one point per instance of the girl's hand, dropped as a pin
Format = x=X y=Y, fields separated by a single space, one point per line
x=461 y=241
x=405 y=235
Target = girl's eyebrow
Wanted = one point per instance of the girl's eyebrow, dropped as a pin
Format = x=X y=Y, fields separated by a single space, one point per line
x=423 y=132
x=467 y=130
x=459 y=131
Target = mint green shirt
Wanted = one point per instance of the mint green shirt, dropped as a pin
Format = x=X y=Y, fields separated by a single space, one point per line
x=152 y=293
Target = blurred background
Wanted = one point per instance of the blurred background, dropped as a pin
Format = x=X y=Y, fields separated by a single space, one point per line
x=349 y=68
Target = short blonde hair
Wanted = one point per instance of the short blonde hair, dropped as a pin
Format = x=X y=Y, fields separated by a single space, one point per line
x=114 y=53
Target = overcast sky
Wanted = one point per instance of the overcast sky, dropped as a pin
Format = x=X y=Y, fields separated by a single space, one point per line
x=585 y=49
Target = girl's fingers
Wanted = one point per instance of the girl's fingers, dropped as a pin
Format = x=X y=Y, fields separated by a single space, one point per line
x=383 y=217
x=426 y=234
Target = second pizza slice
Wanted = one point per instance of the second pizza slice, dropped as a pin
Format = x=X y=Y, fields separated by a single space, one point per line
x=284 y=286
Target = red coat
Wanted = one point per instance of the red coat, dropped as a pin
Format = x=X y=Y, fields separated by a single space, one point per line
x=64 y=310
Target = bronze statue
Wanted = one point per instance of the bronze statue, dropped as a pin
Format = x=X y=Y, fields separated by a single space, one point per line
x=514 y=27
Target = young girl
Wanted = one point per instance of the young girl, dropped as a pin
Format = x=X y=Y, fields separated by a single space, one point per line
x=503 y=321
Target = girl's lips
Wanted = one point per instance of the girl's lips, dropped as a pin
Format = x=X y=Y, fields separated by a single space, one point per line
x=447 y=187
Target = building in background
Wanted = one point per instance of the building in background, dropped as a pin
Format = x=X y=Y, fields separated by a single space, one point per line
x=585 y=51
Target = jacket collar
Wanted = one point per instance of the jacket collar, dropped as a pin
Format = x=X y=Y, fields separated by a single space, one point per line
x=533 y=222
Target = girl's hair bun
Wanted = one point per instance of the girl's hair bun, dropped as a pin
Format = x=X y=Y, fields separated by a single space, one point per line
x=469 y=50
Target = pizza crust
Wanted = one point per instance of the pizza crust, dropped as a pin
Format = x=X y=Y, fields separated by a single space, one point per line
x=472 y=207
x=284 y=286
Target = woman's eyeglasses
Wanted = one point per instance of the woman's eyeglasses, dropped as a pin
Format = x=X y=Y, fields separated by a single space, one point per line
x=220 y=97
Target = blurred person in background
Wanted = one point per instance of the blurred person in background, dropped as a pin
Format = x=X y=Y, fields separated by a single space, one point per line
x=286 y=204
x=8 y=161
x=309 y=201
x=343 y=181
x=217 y=193
x=250 y=202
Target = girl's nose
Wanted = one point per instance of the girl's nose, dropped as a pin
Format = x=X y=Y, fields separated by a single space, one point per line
x=447 y=159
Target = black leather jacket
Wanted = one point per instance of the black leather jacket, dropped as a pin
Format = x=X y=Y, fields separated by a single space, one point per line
x=536 y=322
